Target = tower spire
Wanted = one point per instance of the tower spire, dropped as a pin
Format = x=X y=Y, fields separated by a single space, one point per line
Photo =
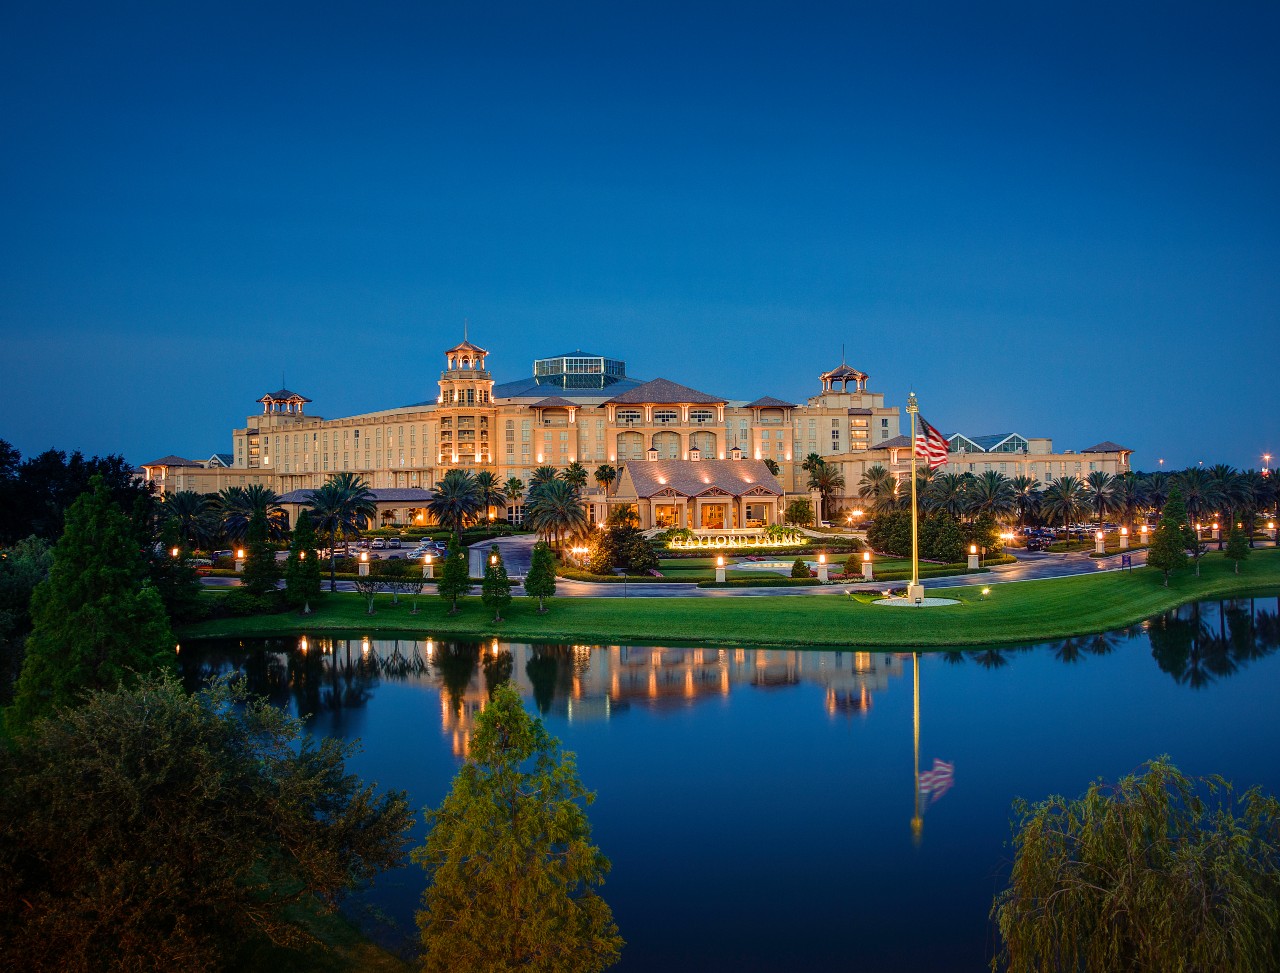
x=464 y=330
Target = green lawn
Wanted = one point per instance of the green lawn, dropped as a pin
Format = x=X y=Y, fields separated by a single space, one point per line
x=1024 y=611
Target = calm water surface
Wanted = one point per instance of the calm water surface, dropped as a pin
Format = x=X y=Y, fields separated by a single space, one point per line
x=758 y=805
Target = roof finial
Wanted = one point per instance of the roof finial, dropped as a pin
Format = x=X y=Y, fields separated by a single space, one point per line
x=464 y=330
x=842 y=361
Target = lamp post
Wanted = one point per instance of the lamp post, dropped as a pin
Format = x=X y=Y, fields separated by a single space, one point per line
x=719 y=569
x=973 y=557
x=1124 y=538
x=868 y=573
x=428 y=569
x=1100 y=542
x=822 y=568
x=364 y=564
x=239 y=559
x=1145 y=531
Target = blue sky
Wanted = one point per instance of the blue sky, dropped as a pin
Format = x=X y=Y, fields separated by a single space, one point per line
x=1056 y=220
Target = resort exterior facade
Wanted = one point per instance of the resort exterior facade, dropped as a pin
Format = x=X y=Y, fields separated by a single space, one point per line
x=585 y=408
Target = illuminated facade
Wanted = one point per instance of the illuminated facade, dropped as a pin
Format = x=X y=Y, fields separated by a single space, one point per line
x=583 y=407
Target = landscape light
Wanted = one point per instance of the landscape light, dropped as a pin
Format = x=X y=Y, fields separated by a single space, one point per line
x=493 y=559
x=822 y=559
x=1124 y=531
x=1215 y=525
x=866 y=556
x=364 y=555
x=1144 y=530
x=1098 y=535
x=973 y=548
x=719 y=560
x=302 y=555
x=240 y=553
x=985 y=592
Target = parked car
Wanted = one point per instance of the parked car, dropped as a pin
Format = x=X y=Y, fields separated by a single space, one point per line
x=379 y=544
x=393 y=542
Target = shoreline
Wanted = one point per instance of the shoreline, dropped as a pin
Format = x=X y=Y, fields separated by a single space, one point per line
x=1015 y=612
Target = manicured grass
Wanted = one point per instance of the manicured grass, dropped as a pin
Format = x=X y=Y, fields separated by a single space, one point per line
x=1026 y=611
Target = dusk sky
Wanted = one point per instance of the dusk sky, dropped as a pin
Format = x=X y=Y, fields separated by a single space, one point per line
x=1059 y=220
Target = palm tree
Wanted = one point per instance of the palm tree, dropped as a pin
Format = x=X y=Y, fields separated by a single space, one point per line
x=1026 y=498
x=456 y=500
x=1201 y=492
x=237 y=505
x=575 y=474
x=810 y=462
x=605 y=475
x=491 y=494
x=991 y=493
x=772 y=466
x=879 y=489
x=341 y=508
x=541 y=475
x=513 y=490
x=1099 y=488
x=556 y=511
x=948 y=493
x=827 y=480
x=1063 y=499
x=189 y=511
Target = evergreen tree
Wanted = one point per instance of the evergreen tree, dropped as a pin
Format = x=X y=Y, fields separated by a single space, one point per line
x=94 y=626
x=260 y=573
x=1168 y=549
x=510 y=865
x=302 y=569
x=1237 y=547
x=495 y=590
x=454 y=580
x=800 y=569
x=540 y=582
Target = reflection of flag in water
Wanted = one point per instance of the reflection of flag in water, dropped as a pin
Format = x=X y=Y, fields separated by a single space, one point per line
x=936 y=782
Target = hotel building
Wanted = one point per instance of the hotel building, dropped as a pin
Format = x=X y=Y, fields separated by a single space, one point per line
x=586 y=408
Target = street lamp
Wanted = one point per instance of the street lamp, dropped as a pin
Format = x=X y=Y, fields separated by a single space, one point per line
x=175 y=552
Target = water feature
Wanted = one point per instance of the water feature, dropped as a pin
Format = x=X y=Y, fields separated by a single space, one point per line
x=761 y=807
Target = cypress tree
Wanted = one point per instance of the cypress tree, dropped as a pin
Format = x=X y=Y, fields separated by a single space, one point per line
x=1168 y=550
x=495 y=590
x=302 y=569
x=454 y=581
x=540 y=582
x=1237 y=547
x=260 y=571
x=95 y=626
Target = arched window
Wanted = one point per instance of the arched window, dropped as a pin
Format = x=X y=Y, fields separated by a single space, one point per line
x=668 y=444
x=630 y=446
x=706 y=443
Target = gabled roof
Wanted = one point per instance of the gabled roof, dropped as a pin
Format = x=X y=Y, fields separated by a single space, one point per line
x=225 y=459
x=988 y=443
x=691 y=478
x=388 y=495
x=1107 y=446
x=172 y=460
x=283 y=395
x=554 y=402
x=843 y=371
x=769 y=402
x=968 y=439
x=897 y=442
x=665 y=392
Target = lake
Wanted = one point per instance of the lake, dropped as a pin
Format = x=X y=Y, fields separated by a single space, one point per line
x=771 y=809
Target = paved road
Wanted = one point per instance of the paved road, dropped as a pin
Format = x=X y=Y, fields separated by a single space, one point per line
x=516 y=552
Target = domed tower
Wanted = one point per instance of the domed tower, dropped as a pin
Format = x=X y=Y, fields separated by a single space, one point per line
x=465 y=406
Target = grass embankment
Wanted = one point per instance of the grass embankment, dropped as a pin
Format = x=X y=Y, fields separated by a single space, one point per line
x=1027 y=611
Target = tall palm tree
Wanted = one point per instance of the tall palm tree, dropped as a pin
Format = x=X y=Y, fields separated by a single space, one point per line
x=189 y=511
x=457 y=499
x=575 y=474
x=1026 y=498
x=992 y=493
x=237 y=505
x=948 y=493
x=827 y=479
x=878 y=488
x=491 y=493
x=541 y=475
x=556 y=511
x=1126 y=499
x=605 y=475
x=1201 y=492
x=772 y=466
x=513 y=490
x=1064 y=499
x=342 y=508
x=810 y=462
x=1099 y=488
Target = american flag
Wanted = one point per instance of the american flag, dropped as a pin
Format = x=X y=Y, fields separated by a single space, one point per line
x=936 y=782
x=931 y=445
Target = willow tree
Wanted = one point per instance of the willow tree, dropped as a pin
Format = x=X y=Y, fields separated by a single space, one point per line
x=1156 y=872
x=512 y=872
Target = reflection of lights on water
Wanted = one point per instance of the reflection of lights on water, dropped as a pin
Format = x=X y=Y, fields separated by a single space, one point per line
x=177 y=647
x=431 y=647
x=364 y=645
x=302 y=644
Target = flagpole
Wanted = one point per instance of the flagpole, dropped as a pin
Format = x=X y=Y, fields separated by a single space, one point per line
x=914 y=590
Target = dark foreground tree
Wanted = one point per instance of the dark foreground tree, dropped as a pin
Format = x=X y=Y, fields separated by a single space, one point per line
x=261 y=573
x=153 y=830
x=1157 y=872
x=540 y=582
x=1237 y=547
x=94 y=624
x=510 y=865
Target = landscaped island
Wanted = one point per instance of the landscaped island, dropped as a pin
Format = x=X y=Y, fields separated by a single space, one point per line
x=1021 y=611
